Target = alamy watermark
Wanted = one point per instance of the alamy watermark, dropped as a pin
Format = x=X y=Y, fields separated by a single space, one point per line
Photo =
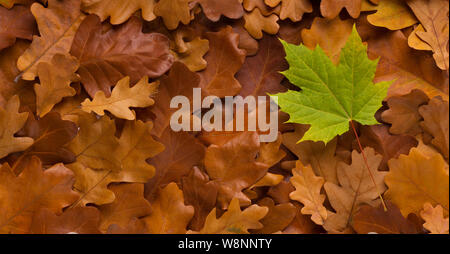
x=233 y=114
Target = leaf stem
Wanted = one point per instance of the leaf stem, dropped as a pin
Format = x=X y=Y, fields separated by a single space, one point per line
x=367 y=164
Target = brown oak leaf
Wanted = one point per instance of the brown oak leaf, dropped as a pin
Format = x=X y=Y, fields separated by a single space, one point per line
x=30 y=191
x=17 y=22
x=108 y=56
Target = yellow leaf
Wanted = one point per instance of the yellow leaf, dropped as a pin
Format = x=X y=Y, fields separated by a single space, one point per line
x=392 y=14
x=415 y=42
x=122 y=98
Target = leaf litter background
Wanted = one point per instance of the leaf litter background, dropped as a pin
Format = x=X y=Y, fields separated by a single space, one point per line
x=75 y=160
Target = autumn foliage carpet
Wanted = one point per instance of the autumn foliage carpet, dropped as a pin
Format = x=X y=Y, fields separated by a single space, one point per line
x=74 y=160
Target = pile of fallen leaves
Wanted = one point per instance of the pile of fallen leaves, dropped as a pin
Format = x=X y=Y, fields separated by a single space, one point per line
x=85 y=138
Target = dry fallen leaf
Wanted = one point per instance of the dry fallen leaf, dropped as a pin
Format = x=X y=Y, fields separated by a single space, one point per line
x=416 y=179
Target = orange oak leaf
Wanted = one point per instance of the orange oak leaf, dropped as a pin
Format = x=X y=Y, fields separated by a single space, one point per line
x=308 y=189
x=330 y=34
x=79 y=220
x=213 y=9
x=50 y=135
x=11 y=121
x=392 y=14
x=129 y=204
x=355 y=189
x=416 y=179
x=435 y=222
x=108 y=56
x=169 y=214
x=224 y=59
x=376 y=220
x=331 y=8
x=191 y=49
x=266 y=10
x=234 y=221
x=292 y=9
x=17 y=22
x=57 y=26
x=201 y=193
x=173 y=12
x=30 y=191
x=56 y=77
x=10 y=3
x=233 y=167
x=260 y=74
x=95 y=143
x=122 y=98
x=119 y=11
x=433 y=15
x=436 y=123
x=256 y=23
x=403 y=113
x=106 y=159
x=8 y=72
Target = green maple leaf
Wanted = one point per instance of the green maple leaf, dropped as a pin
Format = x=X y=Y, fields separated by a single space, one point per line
x=331 y=96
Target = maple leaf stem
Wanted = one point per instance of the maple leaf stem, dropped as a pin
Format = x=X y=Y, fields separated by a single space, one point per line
x=367 y=164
